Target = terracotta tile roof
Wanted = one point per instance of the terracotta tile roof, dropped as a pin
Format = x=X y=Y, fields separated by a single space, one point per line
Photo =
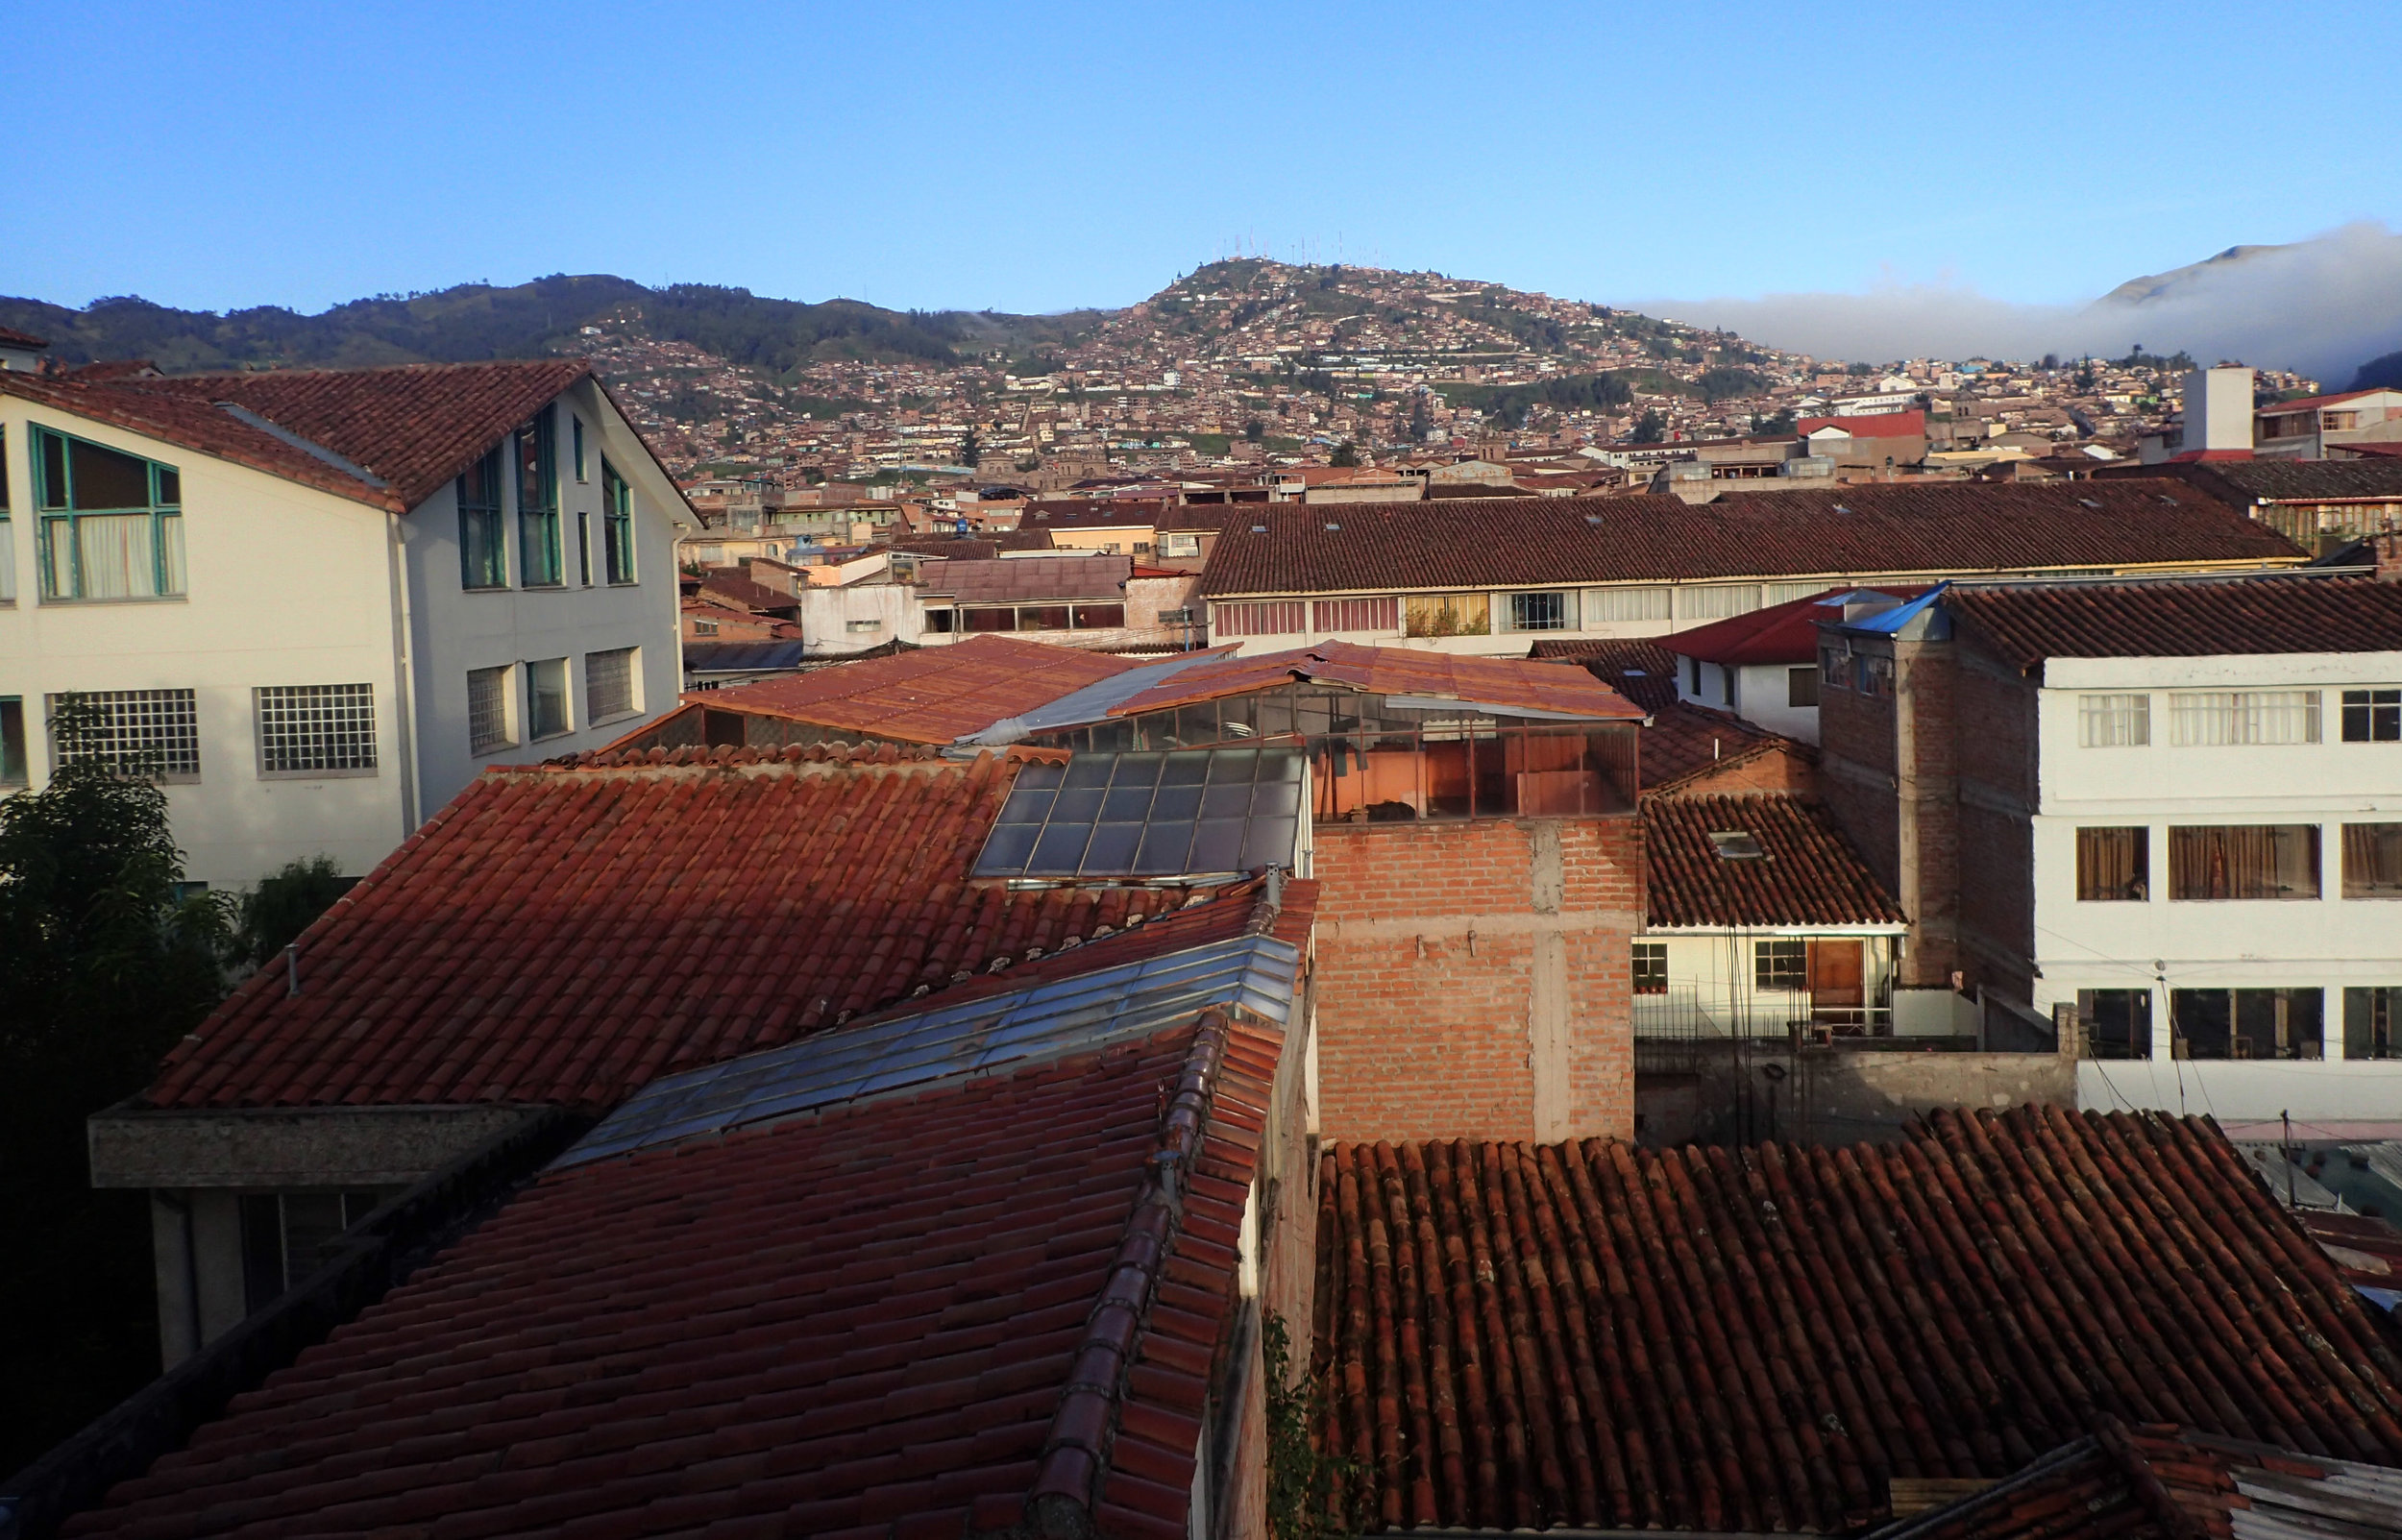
x=1686 y=742
x=566 y=933
x=733 y=589
x=1781 y=633
x=1857 y=532
x=410 y=428
x=1393 y=671
x=415 y=426
x=2181 y=619
x=1764 y=1338
x=959 y=1309
x=1643 y=671
x=2301 y=481
x=14 y=338
x=2303 y=404
x=193 y=424
x=936 y=694
x=1030 y=579
x=1808 y=874
x=2158 y=1481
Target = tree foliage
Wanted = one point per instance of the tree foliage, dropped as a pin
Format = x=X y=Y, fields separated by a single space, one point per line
x=286 y=903
x=107 y=964
x=1305 y=1484
x=1651 y=428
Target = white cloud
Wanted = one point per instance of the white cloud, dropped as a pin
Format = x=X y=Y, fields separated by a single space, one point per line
x=2323 y=306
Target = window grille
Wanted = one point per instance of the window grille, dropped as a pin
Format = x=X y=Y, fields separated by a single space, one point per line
x=1651 y=968
x=609 y=683
x=2218 y=718
x=316 y=729
x=1539 y=612
x=151 y=733
x=488 y=710
x=2114 y=722
x=1355 y=615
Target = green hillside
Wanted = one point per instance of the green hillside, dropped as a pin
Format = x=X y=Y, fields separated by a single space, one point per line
x=477 y=321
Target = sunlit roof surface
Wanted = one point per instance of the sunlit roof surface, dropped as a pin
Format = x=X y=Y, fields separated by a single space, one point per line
x=1252 y=973
x=1153 y=814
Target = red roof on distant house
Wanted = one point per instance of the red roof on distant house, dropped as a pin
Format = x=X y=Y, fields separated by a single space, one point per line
x=567 y=934
x=2304 y=404
x=1869 y=425
x=1392 y=671
x=936 y=694
x=1686 y=745
x=11 y=337
x=1804 y=873
x=1781 y=633
x=1760 y=1339
x=992 y=1302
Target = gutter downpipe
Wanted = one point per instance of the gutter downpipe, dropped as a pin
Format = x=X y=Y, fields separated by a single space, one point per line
x=404 y=705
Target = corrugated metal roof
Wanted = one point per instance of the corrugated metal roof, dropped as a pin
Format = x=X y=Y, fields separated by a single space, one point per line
x=1080 y=1013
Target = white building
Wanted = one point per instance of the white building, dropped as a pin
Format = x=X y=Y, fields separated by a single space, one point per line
x=316 y=603
x=2170 y=810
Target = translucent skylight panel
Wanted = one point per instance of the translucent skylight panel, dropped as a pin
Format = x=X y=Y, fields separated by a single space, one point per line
x=1140 y=814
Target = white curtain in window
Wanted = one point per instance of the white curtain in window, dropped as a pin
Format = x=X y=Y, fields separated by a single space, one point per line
x=171 y=552
x=2209 y=718
x=115 y=553
x=1602 y=605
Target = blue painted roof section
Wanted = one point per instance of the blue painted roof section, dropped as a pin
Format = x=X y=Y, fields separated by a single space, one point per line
x=1901 y=615
x=1090 y=704
x=992 y=1034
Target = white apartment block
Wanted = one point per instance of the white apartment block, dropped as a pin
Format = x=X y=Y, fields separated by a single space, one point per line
x=315 y=604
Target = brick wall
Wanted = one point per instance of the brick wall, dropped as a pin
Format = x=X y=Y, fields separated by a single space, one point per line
x=1926 y=690
x=1473 y=979
x=1998 y=733
x=1775 y=769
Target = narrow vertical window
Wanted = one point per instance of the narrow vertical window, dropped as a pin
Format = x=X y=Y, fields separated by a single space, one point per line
x=580 y=446
x=111 y=524
x=7 y=532
x=538 y=552
x=14 y=771
x=482 y=548
x=617 y=519
x=583 y=549
x=546 y=698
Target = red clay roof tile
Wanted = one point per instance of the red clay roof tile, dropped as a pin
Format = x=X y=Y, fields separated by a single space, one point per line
x=1807 y=874
x=1393 y=671
x=2182 y=620
x=1857 y=532
x=566 y=935
x=1592 y=1334
x=894 y=1318
x=934 y=696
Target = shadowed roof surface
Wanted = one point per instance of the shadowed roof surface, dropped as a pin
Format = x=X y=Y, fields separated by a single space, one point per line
x=2183 y=620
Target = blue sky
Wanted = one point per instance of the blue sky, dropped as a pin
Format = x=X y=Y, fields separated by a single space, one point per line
x=1039 y=157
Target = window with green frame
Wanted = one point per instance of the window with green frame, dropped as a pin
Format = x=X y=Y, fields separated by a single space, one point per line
x=111 y=524
x=617 y=516
x=539 y=557
x=482 y=542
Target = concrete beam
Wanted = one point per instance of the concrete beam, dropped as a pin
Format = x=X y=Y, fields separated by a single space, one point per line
x=287 y=1147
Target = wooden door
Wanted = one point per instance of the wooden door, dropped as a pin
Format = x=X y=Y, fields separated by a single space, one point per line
x=1838 y=991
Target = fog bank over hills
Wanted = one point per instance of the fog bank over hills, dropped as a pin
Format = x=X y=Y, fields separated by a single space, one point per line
x=2323 y=306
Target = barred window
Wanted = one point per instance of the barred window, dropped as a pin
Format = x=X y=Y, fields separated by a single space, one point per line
x=609 y=683
x=1780 y=964
x=152 y=733
x=1355 y=615
x=2217 y=718
x=488 y=710
x=1539 y=612
x=316 y=729
x=2114 y=722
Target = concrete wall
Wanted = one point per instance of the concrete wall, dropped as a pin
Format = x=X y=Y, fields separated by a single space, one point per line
x=1474 y=978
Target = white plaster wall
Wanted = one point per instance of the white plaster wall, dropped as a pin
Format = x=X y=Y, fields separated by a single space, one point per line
x=1713 y=971
x=454 y=630
x=898 y=608
x=286 y=585
x=2162 y=944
